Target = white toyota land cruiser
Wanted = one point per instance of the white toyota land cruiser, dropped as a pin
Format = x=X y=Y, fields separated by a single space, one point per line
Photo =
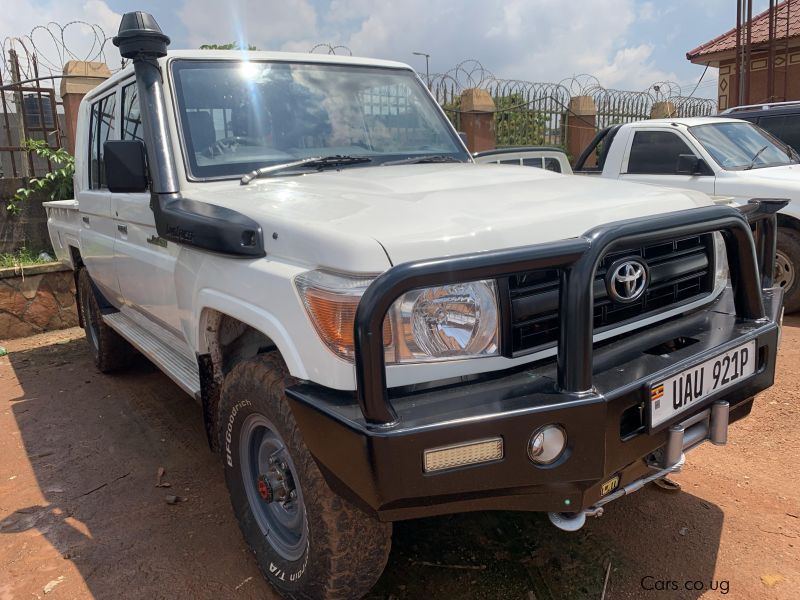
x=377 y=328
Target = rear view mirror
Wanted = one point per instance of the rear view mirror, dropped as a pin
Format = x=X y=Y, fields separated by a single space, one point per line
x=126 y=168
x=689 y=164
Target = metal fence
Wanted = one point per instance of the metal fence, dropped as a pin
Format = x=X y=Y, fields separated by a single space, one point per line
x=532 y=113
x=30 y=66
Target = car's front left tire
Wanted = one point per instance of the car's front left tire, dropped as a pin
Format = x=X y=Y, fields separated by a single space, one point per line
x=309 y=543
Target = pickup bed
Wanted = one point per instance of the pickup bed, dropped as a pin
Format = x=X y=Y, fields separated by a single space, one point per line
x=718 y=156
x=376 y=328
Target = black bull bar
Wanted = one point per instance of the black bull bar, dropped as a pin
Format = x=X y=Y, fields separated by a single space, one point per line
x=749 y=233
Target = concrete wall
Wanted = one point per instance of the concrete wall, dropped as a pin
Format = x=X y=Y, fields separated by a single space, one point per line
x=36 y=299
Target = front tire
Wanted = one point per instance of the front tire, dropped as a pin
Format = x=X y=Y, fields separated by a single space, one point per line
x=309 y=542
x=111 y=352
x=787 y=267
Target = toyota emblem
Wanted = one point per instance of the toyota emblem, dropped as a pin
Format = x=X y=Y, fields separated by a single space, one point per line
x=627 y=280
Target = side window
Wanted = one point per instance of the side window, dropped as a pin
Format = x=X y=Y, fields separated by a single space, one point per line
x=101 y=129
x=552 y=164
x=510 y=161
x=656 y=152
x=532 y=162
x=785 y=128
x=131 y=117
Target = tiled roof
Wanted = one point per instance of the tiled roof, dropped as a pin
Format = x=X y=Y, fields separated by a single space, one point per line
x=760 y=30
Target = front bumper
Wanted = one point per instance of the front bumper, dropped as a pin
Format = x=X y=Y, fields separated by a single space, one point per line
x=370 y=447
x=381 y=469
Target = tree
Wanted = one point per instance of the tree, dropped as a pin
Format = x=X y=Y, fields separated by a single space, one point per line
x=230 y=46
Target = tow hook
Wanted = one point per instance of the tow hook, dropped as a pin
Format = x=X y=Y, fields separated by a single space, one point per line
x=276 y=485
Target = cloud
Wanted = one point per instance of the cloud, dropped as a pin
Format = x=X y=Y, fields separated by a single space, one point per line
x=536 y=40
x=27 y=17
x=267 y=25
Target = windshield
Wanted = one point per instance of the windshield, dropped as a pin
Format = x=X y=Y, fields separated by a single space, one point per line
x=737 y=146
x=239 y=116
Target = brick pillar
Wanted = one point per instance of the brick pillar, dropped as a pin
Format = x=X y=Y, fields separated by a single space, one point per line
x=73 y=89
x=477 y=119
x=581 y=127
x=662 y=110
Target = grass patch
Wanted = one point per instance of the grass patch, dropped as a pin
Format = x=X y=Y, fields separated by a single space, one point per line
x=24 y=257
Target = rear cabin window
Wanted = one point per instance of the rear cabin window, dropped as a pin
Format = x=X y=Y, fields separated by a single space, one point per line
x=101 y=129
x=552 y=164
x=656 y=153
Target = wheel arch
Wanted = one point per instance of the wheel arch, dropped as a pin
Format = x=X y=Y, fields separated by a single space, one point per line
x=789 y=221
x=227 y=335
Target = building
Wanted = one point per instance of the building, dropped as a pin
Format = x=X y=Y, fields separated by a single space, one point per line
x=721 y=53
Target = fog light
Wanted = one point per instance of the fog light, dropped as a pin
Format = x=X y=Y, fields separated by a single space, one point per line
x=547 y=444
x=460 y=455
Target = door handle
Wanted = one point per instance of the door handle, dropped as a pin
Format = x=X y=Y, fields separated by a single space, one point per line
x=122 y=229
x=85 y=220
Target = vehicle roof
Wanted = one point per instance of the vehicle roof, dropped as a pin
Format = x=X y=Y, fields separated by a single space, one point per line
x=686 y=121
x=256 y=55
x=762 y=110
x=518 y=149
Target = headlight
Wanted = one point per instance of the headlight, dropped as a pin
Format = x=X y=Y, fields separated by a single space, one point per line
x=451 y=321
x=720 y=263
x=431 y=324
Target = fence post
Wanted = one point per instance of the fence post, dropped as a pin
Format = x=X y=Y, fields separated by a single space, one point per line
x=581 y=126
x=477 y=119
x=662 y=110
x=83 y=76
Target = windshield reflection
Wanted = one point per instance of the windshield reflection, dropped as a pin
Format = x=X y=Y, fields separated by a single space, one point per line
x=739 y=146
x=239 y=116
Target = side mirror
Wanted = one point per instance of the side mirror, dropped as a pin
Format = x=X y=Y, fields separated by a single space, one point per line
x=126 y=167
x=689 y=164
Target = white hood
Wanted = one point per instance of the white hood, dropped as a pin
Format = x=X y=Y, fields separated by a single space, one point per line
x=426 y=211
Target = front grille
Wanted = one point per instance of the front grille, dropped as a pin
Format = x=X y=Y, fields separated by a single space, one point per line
x=680 y=271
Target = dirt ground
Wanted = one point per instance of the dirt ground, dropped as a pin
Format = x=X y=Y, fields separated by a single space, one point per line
x=80 y=516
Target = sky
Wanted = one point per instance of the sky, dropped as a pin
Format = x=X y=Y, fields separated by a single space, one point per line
x=625 y=44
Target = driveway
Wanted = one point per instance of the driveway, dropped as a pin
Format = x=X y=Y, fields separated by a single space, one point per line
x=81 y=516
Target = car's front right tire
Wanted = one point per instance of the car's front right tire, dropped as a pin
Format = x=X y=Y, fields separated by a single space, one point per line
x=309 y=543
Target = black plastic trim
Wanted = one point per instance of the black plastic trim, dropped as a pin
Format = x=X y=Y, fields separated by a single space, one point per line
x=206 y=226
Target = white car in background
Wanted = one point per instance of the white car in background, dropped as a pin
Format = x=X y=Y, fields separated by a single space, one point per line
x=718 y=156
x=549 y=158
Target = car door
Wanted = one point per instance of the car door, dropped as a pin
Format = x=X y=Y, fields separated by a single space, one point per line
x=144 y=262
x=98 y=230
x=652 y=157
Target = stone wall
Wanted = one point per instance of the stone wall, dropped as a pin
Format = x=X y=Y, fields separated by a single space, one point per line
x=36 y=299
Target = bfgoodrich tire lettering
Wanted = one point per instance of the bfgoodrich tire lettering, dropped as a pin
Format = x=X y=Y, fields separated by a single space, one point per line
x=342 y=551
x=110 y=351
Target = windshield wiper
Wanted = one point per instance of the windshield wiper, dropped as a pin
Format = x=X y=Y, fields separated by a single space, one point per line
x=431 y=158
x=319 y=162
x=755 y=157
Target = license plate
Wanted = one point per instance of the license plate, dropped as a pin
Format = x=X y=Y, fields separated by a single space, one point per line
x=691 y=386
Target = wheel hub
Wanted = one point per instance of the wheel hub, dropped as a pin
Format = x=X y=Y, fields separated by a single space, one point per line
x=271 y=485
x=277 y=484
x=784 y=271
